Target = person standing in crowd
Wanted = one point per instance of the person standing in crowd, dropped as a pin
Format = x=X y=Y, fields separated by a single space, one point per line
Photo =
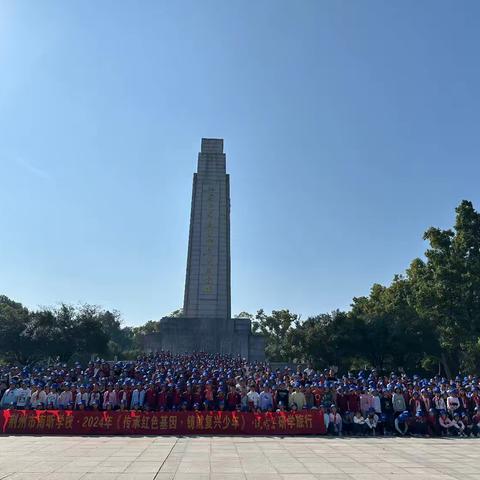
x=309 y=397
x=376 y=402
x=266 y=399
x=38 y=398
x=253 y=399
x=297 y=397
x=366 y=402
x=138 y=396
x=81 y=397
x=9 y=397
x=398 y=401
x=95 y=397
x=281 y=396
x=453 y=402
x=65 y=397
x=52 y=397
x=387 y=411
x=438 y=401
x=109 y=397
x=234 y=399
x=415 y=403
x=22 y=396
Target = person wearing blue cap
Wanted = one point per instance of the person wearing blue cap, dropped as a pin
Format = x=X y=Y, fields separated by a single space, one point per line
x=8 y=397
x=401 y=423
x=447 y=426
x=335 y=422
x=419 y=423
x=458 y=425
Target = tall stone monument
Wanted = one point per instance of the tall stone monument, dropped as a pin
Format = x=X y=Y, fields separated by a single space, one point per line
x=207 y=285
x=206 y=324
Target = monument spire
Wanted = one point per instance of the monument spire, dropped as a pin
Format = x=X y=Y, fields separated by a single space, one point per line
x=207 y=283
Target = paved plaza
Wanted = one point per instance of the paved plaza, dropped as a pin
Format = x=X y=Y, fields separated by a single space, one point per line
x=235 y=458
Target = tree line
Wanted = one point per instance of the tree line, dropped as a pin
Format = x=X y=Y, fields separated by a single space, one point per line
x=427 y=319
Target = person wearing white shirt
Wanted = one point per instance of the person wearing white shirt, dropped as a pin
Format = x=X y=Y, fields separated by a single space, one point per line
x=253 y=398
x=371 y=422
x=81 y=398
x=8 y=398
x=359 y=424
x=38 y=398
x=453 y=403
x=298 y=398
x=376 y=402
x=65 y=398
x=95 y=397
x=22 y=396
x=335 y=422
x=52 y=398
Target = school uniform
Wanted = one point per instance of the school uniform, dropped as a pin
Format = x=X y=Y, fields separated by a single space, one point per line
x=8 y=397
x=266 y=401
x=65 y=398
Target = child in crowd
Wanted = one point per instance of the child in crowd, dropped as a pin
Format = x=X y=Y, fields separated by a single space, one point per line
x=359 y=426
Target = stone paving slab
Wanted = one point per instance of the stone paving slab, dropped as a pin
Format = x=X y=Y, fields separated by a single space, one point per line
x=237 y=458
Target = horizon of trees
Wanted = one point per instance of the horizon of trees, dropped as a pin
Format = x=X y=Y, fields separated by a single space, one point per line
x=427 y=319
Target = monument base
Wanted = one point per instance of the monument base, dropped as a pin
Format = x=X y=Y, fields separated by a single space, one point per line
x=213 y=335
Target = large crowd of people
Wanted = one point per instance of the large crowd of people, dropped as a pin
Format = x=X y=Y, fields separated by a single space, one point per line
x=364 y=403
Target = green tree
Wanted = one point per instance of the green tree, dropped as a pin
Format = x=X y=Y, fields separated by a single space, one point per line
x=120 y=338
x=276 y=328
x=14 y=318
x=446 y=287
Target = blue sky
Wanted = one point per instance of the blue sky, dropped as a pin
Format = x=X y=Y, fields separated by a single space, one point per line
x=350 y=127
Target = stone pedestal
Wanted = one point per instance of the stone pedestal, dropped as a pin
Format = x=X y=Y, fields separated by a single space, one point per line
x=225 y=336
